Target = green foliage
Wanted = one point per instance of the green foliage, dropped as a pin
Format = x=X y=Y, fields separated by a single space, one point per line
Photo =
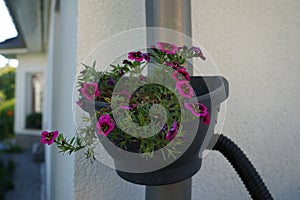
x=34 y=121
x=6 y=173
x=7 y=119
x=2 y=97
x=7 y=81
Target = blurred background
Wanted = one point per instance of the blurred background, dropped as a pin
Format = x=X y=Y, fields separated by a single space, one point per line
x=255 y=45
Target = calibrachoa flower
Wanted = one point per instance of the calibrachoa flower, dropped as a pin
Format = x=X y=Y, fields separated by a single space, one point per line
x=197 y=109
x=197 y=52
x=110 y=81
x=90 y=90
x=174 y=65
x=137 y=56
x=167 y=47
x=49 y=137
x=80 y=102
x=146 y=56
x=129 y=107
x=181 y=75
x=105 y=125
x=205 y=119
x=184 y=89
x=172 y=132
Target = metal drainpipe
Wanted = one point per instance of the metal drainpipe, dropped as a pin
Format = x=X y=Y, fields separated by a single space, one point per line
x=175 y=15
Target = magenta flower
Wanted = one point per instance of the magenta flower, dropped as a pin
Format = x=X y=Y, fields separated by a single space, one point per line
x=104 y=125
x=197 y=109
x=205 y=119
x=146 y=56
x=174 y=65
x=137 y=56
x=172 y=132
x=110 y=81
x=197 y=52
x=184 y=89
x=49 y=137
x=80 y=103
x=129 y=107
x=125 y=93
x=90 y=90
x=181 y=75
x=167 y=47
x=142 y=78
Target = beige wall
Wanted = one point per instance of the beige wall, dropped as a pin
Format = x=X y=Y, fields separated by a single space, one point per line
x=98 y=20
x=256 y=47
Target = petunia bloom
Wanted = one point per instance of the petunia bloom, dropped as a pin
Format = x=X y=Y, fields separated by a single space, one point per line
x=110 y=81
x=80 y=102
x=129 y=107
x=184 y=89
x=197 y=109
x=167 y=47
x=172 y=132
x=90 y=90
x=146 y=56
x=174 y=65
x=197 y=52
x=137 y=56
x=126 y=94
x=104 y=125
x=49 y=137
x=205 y=119
x=181 y=75
x=142 y=78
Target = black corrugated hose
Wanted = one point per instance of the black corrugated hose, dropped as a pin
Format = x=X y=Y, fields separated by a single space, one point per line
x=247 y=172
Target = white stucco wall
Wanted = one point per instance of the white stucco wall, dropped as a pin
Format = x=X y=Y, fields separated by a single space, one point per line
x=28 y=64
x=98 y=20
x=61 y=69
x=256 y=47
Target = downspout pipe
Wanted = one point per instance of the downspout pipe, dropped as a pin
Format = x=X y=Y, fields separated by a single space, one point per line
x=174 y=15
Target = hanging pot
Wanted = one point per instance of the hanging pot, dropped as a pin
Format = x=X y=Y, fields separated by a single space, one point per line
x=210 y=91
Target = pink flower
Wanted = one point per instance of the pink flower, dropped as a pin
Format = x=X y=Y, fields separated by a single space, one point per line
x=126 y=94
x=184 y=89
x=172 y=132
x=197 y=109
x=129 y=107
x=197 y=52
x=167 y=47
x=146 y=56
x=104 y=125
x=181 y=75
x=142 y=78
x=205 y=119
x=174 y=65
x=137 y=56
x=80 y=102
x=49 y=137
x=90 y=90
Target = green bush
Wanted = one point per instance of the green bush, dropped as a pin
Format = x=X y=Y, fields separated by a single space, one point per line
x=6 y=173
x=7 y=119
x=2 y=97
x=7 y=81
x=34 y=121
